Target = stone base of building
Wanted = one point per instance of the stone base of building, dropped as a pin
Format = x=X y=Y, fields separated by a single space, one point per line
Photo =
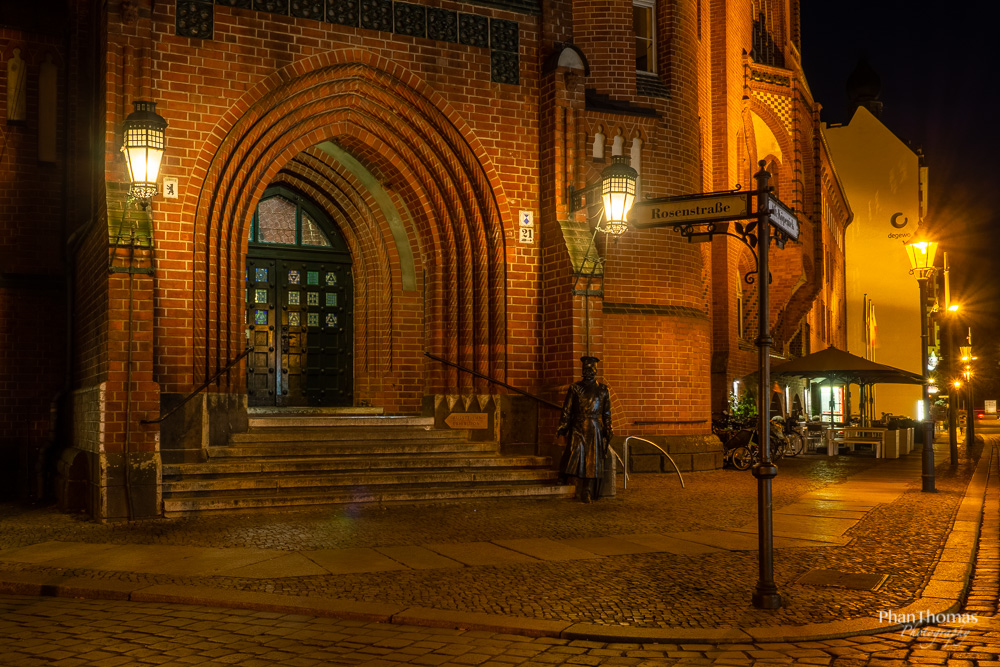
x=691 y=453
x=108 y=486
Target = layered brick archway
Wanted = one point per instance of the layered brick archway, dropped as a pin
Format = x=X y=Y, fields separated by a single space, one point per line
x=416 y=145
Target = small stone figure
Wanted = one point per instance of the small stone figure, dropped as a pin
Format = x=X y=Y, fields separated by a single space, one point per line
x=586 y=423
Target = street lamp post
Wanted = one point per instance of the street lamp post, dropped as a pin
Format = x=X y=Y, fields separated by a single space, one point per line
x=970 y=411
x=949 y=355
x=921 y=254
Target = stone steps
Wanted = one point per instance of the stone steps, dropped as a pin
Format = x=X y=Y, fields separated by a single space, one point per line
x=366 y=479
x=314 y=457
x=329 y=449
x=291 y=464
x=229 y=502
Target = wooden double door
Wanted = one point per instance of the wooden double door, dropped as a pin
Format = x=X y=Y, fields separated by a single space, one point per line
x=300 y=324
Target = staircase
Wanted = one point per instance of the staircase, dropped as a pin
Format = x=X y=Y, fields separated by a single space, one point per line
x=323 y=457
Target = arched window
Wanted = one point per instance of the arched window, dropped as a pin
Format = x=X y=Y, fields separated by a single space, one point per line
x=284 y=218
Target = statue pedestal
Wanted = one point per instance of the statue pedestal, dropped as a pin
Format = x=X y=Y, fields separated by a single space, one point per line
x=608 y=486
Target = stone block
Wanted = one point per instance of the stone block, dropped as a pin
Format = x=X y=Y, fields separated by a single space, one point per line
x=184 y=433
x=706 y=461
x=685 y=463
x=115 y=505
x=227 y=413
x=518 y=425
x=646 y=463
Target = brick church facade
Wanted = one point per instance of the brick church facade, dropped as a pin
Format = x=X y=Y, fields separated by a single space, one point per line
x=393 y=180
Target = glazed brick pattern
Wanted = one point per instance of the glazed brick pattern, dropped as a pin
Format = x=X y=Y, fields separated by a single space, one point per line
x=196 y=19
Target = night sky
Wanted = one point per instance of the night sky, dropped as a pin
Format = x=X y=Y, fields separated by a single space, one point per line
x=939 y=92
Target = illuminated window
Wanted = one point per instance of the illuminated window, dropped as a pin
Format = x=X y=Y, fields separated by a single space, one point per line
x=643 y=22
x=838 y=403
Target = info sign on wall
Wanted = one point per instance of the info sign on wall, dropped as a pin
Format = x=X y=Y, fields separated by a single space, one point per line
x=526 y=227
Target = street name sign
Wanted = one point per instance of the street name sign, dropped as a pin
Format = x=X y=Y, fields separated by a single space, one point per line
x=711 y=207
x=468 y=420
x=783 y=219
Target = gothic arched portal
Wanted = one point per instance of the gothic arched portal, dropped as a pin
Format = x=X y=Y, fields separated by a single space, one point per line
x=297 y=127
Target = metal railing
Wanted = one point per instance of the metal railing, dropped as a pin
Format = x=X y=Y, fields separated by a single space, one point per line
x=500 y=383
x=662 y=451
x=200 y=389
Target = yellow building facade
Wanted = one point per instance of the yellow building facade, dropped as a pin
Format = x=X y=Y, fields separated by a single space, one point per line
x=886 y=185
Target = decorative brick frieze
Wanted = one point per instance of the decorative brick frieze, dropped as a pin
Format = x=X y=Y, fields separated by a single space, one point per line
x=307 y=9
x=650 y=85
x=194 y=19
x=474 y=30
x=503 y=35
x=376 y=15
x=410 y=19
x=504 y=67
x=442 y=25
x=271 y=6
x=343 y=12
x=659 y=310
x=770 y=77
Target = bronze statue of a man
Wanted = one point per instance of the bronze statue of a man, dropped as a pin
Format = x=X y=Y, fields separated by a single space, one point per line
x=586 y=423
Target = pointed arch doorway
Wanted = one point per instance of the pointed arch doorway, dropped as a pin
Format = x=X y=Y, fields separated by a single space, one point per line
x=299 y=313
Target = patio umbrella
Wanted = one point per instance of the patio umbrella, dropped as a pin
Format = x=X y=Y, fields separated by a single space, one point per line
x=840 y=366
x=837 y=366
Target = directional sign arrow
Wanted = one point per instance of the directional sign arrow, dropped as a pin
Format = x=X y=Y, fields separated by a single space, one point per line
x=782 y=218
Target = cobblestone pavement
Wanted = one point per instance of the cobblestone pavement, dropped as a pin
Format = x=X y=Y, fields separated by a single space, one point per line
x=68 y=632
x=61 y=632
x=643 y=590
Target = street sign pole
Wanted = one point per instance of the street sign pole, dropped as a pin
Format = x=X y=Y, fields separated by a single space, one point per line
x=701 y=217
x=766 y=595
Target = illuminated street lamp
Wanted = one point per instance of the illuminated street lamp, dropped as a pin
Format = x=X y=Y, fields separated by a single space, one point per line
x=921 y=254
x=143 y=144
x=617 y=188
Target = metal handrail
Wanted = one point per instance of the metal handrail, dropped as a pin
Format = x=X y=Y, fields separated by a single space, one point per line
x=199 y=389
x=662 y=451
x=544 y=402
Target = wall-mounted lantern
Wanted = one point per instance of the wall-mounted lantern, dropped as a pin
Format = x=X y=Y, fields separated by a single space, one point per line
x=144 y=141
x=617 y=187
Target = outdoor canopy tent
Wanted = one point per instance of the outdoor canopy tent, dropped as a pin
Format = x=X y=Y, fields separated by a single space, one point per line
x=837 y=366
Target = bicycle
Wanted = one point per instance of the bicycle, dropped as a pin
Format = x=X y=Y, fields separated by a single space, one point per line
x=795 y=441
x=747 y=454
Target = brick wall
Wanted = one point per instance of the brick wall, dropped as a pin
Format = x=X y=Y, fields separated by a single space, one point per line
x=32 y=277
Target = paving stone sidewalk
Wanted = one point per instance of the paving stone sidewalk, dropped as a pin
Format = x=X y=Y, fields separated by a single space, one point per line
x=655 y=563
